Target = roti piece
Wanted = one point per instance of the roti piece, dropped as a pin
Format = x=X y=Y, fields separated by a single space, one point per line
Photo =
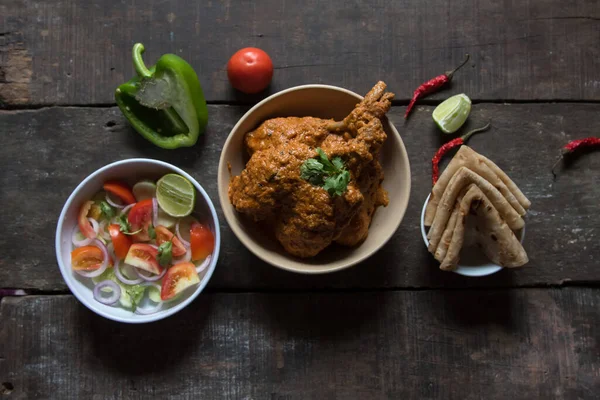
x=440 y=252
x=452 y=256
x=488 y=170
x=442 y=249
x=497 y=241
x=494 y=236
x=463 y=178
x=524 y=201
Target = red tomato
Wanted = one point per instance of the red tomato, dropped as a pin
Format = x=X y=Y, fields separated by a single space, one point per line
x=121 y=191
x=250 y=70
x=84 y=225
x=178 y=278
x=121 y=242
x=87 y=258
x=164 y=235
x=140 y=217
x=202 y=241
x=144 y=256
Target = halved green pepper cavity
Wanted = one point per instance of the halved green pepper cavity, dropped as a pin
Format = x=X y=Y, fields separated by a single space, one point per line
x=164 y=103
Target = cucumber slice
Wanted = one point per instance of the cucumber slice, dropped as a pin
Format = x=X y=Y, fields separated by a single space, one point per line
x=165 y=219
x=185 y=224
x=128 y=272
x=154 y=294
x=144 y=190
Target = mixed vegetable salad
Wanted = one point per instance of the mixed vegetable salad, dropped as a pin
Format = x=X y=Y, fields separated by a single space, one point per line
x=141 y=240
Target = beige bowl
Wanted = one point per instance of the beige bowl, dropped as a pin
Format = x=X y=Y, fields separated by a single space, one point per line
x=324 y=102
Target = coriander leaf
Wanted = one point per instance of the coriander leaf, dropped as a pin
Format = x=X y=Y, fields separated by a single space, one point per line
x=330 y=175
x=165 y=254
x=322 y=156
x=336 y=185
x=123 y=223
x=135 y=293
x=312 y=171
x=107 y=210
x=338 y=163
x=327 y=165
x=151 y=232
x=125 y=226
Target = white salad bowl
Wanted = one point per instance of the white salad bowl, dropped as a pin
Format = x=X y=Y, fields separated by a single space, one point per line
x=472 y=260
x=130 y=171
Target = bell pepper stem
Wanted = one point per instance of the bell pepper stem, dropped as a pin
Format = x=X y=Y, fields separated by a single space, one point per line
x=138 y=61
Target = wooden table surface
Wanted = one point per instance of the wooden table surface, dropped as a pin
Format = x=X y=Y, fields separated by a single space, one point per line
x=393 y=327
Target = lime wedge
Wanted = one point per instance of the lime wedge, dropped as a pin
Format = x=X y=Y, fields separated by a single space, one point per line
x=452 y=113
x=176 y=195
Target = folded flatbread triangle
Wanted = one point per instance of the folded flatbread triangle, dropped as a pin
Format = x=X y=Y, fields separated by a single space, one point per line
x=462 y=179
x=484 y=167
x=495 y=238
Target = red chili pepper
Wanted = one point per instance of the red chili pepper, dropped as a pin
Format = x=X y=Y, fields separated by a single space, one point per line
x=433 y=85
x=574 y=145
x=459 y=141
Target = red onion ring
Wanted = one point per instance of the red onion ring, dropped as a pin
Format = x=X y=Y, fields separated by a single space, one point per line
x=154 y=212
x=103 y=266
x=152 y=310
x=102 y=230
x=79 y=243
x=114 y=297
x=181 y=239
x=111 y=202
x=122 y=277
x=204 y=264
x=187 y=257
x=126 y=209
x=150 y=278
x=95 y=225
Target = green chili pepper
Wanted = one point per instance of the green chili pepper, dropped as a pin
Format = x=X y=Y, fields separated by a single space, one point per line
x=164 y=103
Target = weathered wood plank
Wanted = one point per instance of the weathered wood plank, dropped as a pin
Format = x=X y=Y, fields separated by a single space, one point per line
x=77 y=52
x=525 y=343
x=46 y=153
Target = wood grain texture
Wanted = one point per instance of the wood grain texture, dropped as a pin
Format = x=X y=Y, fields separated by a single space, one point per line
x=46 y=153
x=77 y=52
x=524 y=343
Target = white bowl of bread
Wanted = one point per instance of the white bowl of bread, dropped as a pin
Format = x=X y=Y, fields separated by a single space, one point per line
x=475 y=217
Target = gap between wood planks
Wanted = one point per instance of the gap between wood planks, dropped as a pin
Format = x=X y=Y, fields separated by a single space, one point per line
x=395 y=103
x=566 y=283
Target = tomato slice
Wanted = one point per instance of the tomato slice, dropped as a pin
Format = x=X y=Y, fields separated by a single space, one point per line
x=84 y=225
x=202 y=241
x=87 y=258
x=178 y=278
x=120 y=190
x=140 y=217
x=144 y=256
x=121 y=242
x=164 y=235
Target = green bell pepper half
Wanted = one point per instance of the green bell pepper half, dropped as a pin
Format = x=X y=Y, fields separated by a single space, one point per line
x=164 y=103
